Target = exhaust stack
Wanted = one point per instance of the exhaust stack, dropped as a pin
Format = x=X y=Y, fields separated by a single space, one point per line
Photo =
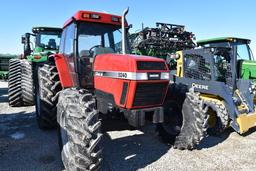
x=124 y=43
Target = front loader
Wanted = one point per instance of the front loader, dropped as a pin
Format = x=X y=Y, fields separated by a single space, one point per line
x=99 y=78
x=22 y=78
x=221 y=76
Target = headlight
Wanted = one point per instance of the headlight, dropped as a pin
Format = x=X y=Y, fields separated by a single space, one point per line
x=142 y=76
x=174 y=56
x=165 y=76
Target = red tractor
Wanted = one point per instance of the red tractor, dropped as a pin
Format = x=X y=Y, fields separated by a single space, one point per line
x=98 y=77
x=92 y=76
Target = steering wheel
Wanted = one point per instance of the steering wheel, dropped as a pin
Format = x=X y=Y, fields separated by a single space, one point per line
x=90 y=50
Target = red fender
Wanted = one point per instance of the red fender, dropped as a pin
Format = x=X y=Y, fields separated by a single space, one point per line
x=63 y=70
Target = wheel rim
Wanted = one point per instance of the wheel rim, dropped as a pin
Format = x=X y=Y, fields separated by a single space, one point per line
x=212 y=121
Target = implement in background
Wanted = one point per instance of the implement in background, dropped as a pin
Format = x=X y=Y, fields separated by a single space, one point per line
x=161 y=41
x=4 y=65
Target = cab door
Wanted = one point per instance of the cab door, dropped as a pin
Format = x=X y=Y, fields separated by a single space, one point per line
x=65 y=59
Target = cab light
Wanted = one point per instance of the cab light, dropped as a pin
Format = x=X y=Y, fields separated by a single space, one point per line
x=95 y=16
x=174 y=56
x=115 y=19
x=85 y=15
x=230 y=39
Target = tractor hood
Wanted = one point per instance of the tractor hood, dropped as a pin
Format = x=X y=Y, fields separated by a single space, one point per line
x=248 y=69
x=40 y=54
x=128 y=63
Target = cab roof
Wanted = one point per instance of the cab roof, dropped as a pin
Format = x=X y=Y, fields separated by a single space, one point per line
x=46 y=29
x=96 y=17
x=223 y=39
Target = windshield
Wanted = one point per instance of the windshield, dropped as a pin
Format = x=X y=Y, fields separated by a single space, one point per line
x=243 y=52
x=98 y=38
x=242 y=49
x=49 y=40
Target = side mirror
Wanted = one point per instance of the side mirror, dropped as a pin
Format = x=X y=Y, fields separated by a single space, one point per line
x=130 y=26
x=23 y=39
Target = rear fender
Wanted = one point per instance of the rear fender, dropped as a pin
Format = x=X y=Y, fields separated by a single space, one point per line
x=63 y=71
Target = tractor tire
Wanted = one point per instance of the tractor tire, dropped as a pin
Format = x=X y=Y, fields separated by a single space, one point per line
x=172 y=123
x=14 y=83
x=221 y=118
x=195 y=122
x=27 y=84
x=171 y=127
x=79 y=130
x=47 y=95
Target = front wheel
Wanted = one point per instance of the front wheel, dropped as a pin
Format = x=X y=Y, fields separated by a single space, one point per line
x=79 y=131
x=47 y=95
x=185 y=128
x=195 y=122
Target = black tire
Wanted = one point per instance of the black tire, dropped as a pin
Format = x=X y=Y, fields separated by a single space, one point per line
x=47 y=95
x=14 y=83
x=172 y=114
x=172 y=123
x=220 y=117
x=80 y=132
x=194 y=125
x=27 y=84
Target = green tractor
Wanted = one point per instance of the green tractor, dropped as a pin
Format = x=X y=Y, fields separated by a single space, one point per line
x=22 y=77
x=4 y=65
x=219 y=78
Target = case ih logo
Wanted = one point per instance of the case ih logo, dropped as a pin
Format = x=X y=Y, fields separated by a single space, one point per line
x=153 y=76
x=199 y=86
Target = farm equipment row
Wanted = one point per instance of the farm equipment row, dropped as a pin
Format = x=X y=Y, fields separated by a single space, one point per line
x=4 y=65
x=101 y=70
x=23 y=71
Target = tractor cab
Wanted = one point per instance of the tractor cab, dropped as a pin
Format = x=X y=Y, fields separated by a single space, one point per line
x=46 y=40
x=240 y=52
x=87 y=35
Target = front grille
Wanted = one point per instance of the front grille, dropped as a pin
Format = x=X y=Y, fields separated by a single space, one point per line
x=148 y=65
x=148 y=94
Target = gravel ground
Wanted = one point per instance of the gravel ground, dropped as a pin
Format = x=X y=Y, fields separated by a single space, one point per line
x=25 y=147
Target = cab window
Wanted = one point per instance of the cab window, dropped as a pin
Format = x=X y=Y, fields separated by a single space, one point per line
x=243 y=52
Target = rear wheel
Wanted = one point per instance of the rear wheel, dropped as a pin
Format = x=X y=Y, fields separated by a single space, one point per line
x=219 y=119
x=185 y=125
x=79 y=133
x=47 y=95
x=195 y=122
x=14 y=83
